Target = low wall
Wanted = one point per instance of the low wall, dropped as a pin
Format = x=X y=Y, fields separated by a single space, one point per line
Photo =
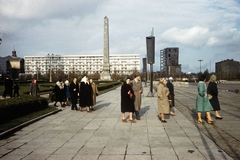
x=175 y=84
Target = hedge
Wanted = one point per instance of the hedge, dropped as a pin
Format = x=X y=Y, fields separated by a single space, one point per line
x=16 y=107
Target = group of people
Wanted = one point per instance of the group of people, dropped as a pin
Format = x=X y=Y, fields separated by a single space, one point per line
x=86 y=92
x=9 y=86
x=131 y=98
x=207 y=99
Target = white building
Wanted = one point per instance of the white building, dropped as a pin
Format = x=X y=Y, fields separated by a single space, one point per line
x=82 y=64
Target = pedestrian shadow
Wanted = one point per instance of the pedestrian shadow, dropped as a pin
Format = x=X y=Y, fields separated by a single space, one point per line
x=208 y=127
x=144 y=110
x=99 y=106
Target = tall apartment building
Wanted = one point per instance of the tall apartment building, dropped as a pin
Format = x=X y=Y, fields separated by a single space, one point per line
x=169 y=63
x=82 y=64
x=228 y=69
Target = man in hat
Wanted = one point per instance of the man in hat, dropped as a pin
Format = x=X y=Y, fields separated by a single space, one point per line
x=171 y=95
x=137 y=89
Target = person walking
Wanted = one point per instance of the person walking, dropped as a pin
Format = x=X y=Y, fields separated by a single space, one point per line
x=67 y=92
x=16 y=90
x=137 y=89
x=127 y=102
x=74 y=93
x=163 y=104
x=212 y=91
x=34 y=89
x=85 y=94
x=59 y=93
x=94 y=93
x=202 y=102
x=8 y=87
x=171 y=95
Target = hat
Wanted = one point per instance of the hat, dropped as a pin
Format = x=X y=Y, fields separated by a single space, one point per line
x=170 y=78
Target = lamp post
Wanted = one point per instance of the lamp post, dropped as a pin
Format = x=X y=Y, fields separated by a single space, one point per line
x=50 y=72
x=200 y=60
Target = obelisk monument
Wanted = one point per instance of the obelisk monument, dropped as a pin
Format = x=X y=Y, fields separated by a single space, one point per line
x=106 y=66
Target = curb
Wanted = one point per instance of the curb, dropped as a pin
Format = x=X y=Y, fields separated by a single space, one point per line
x=17 y=128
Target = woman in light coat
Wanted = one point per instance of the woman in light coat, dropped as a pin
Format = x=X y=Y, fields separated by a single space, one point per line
x=163 y=104
x=94 y=93
x=202 y=102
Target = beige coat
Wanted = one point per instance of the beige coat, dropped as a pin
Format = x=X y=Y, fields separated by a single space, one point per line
x=94 y=92
x=163 y=104
x=137 y=89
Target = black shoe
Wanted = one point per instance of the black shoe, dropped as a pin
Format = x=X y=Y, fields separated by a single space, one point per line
x=219 y=117
x=164 y=121
x=55 y=105
x=206 y=118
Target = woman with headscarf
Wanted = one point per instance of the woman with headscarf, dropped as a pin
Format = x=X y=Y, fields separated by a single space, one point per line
x=59 y=93
x=85 y=94
x=67 y=92
x=213 y=93
x=127 y=102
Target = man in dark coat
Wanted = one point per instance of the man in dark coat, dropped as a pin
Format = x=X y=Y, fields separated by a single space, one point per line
x=74 y=92
x=8 y=87
x=171 y=95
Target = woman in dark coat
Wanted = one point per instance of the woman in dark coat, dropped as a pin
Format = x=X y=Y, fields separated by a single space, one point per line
x=213 y=92
x=85 y=94
x=59 y=93
x=127 y=103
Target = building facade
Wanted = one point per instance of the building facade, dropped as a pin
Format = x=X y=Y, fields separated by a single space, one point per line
x=81 y=64
x=227 y=69
x=169 y=63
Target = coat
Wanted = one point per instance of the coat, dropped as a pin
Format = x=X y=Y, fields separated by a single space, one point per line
x=136 y=87
x=59 y=92
x=67 y=92
x=85 y=94
x=202 y=102
x=213 y=91
x=171 y=91
x=94 y=93
x=74 y=91
x=163 y=104
x=127 y=103
x=34 y=90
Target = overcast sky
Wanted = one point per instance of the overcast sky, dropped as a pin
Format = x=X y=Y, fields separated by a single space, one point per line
x=202 y=29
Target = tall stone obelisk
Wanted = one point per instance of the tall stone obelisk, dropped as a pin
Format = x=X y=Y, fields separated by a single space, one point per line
x=106 y=66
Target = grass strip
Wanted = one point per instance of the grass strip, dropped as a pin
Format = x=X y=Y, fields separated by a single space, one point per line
x=15 y=122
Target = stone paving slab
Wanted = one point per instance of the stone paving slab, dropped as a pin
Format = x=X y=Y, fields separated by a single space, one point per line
x=101 y=135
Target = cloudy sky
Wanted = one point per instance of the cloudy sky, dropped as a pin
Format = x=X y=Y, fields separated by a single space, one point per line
x=202 y=29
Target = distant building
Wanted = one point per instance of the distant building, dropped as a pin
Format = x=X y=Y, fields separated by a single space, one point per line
x=169 y=64
x=81 y=64
x=228 y=69
x=11 y=66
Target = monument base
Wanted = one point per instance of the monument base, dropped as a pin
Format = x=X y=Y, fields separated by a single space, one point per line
x=105 y=77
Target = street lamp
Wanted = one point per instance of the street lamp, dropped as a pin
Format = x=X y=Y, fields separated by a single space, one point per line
x=200 y=60
x=50 y=72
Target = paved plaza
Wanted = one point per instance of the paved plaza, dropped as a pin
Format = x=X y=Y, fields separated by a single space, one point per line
x=101 y=135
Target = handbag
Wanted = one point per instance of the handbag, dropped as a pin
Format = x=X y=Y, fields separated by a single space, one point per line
x=209 y=96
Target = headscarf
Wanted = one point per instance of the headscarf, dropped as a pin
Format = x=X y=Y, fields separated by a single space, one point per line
x=84 y=79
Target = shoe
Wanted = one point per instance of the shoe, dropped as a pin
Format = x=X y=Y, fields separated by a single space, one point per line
x=219 y=117
x=138 y=119
x=80 y=109
x=89 y=111
x=206 y=118
x=172 y=114
x=124 y=120
x=92 y=109
x=55 y=105
x=164 y=121
x=200 y=122
x=132 y=121
x=210 y=122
